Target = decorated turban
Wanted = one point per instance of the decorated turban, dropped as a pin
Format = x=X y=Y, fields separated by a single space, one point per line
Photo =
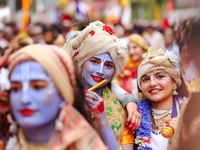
x=159 y=60
x=95 y=39
x=139 y=40
x=56 y=62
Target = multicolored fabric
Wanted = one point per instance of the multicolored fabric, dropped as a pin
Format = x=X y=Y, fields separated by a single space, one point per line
x=144 y=131
x=95 y=39
x=116 y=116
x=139 y=40
x=159 y=59
x=77 y=134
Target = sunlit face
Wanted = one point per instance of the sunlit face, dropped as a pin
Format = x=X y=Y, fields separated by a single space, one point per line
x=34 y=99
x=157 y=86
x=98 y=68
x=135 y=51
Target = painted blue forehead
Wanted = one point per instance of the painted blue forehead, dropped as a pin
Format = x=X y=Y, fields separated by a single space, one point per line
x=34 y=66
x=28 y=70
x=102 y=56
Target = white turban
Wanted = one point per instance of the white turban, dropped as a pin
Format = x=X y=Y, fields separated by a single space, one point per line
x=95 y=39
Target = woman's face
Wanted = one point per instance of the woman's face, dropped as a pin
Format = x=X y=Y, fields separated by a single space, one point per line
x=135 y=51
x=34 y=99
x=183 y=51
x=157 y=86
x=98 y=68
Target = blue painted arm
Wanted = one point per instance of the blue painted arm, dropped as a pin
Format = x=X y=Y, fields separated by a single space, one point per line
x=107 y=133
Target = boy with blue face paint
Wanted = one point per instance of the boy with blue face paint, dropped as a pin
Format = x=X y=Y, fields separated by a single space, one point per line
x=99 y=55
x=40 y=105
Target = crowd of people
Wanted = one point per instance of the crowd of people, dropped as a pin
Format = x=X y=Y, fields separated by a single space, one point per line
x=148 y=102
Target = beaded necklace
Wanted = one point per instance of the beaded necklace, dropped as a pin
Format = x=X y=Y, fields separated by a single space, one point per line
x=25 y=145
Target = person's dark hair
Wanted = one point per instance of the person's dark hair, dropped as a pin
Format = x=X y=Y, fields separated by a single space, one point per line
x=23 y=44
x=1 y=51
x=80 y=103
x=182 y=90
x=194 y=43
x=182 y=43
x=4 y=125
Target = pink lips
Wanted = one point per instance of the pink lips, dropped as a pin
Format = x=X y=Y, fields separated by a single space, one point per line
x=27 y=112
x=97 y=79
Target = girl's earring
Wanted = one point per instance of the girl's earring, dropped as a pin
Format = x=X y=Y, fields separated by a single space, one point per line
x=13 y=124
x=141 y=96
x=174 y=87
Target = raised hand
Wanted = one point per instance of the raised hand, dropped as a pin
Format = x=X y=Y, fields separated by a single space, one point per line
x=95 y=102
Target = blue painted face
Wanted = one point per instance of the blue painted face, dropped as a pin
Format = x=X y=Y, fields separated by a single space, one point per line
x=34 y=99
x=97 y=68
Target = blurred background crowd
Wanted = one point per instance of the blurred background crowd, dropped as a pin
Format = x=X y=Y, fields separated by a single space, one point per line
x=167 y=24
x=162 y=24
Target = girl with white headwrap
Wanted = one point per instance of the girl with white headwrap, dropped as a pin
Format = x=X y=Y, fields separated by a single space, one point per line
x=99 y=55
x=158 y=79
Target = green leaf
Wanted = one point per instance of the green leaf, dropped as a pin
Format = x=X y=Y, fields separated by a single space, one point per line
x=107 y=113
x=138 y=141
x=105 y=92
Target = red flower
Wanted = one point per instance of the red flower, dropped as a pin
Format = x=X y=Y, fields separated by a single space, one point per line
x=91 y=32
x=181 y=104
x=108 y=29
x=167 y=122
x=76 y=53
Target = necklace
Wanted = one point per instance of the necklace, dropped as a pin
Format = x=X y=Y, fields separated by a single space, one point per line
x=155 y=114
x=158 y=123
x=25 y=145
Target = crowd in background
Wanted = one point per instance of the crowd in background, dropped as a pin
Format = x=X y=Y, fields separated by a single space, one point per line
x=136 y=36
x=171 y=38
